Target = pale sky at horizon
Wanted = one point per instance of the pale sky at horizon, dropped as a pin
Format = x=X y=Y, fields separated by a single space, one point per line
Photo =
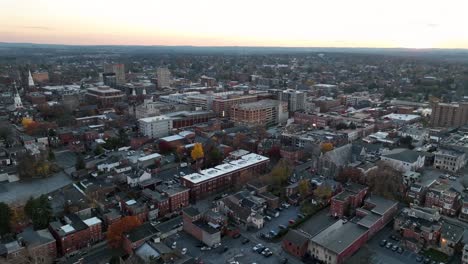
x=299 y=23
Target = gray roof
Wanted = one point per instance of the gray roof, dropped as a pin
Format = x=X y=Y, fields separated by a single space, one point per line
x=406 y=155
x=338 y=237
x=35 y=238
x=296 y=237
x=382 y=205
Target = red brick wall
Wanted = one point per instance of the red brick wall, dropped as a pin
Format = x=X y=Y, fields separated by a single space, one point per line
x=353 y=248
x=294 y=249
x=337 y=207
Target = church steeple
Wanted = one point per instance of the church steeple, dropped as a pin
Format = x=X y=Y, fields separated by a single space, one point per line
x=17 y=99
x=30 y=80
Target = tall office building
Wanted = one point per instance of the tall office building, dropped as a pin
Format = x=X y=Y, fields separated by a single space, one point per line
x=118 y=69
x=262 y=113
x=109 y=79
x=164 y=77
x=449 y=115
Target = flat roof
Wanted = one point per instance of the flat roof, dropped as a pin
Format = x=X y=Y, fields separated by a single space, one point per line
x=401 y=117
x=172 y=138
x=339 y=236
x=243 y=162
x=67 y=228
x=154 y=118
x=150 y=156
x=92 y=221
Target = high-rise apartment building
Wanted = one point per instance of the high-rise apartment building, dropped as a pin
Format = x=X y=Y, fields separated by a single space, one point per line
x=449 y=115
x=296 y=99
x=164 y=77
x=222 y=105
x=118 y=69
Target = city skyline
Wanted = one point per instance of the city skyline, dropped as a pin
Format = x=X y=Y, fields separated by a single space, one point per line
x=363 y=23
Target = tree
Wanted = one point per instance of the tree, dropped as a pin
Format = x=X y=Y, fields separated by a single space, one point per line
x=197 y=152
x=304 y=188
x=280 y=173
x=274 y=153
x=123 y=138
x=323 y=192
x=214 y=157
x=118 y=229
x=5 y=218
x=325 y=147
x=80 y=163
x=407 y=141
x=39 y=211
x=51 y=155
x=98 y=150
x=386 y=181
x=350 y=174
x=26 y=166
x=341 y=126
x=238 y=140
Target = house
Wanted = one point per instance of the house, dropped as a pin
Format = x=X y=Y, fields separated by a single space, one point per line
x=443 y=197
x=205 y=231
x=347 y=201
x=419 y=227
x=449 y=159
x=417 y=193
x=464 y=209
x=138 y=236
x=137 y=177
x=40 y=244
x=177 y=195
x=296 y=243
x=12 y=252
x=404 y=159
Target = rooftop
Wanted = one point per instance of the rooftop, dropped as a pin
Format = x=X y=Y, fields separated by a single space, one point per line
x=339 y=236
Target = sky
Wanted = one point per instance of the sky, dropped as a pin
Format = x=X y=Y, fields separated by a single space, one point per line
x=288 y=23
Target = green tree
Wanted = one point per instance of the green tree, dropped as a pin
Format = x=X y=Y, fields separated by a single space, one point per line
x=5 y=218
x=280 y=173
x=39 y=211
x=123 y=138
x=98 y=150
x=51 y=155
x=323 y=192
x=80 y=163
x=303 y=188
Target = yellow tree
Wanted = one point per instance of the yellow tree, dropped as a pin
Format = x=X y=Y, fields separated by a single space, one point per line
x=326 y=147
x=323 y=192
x=197 y=153
x=26 y=121
x=303 y=188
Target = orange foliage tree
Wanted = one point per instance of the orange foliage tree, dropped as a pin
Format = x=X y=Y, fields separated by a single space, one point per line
x=117 y=230
x=326 y=147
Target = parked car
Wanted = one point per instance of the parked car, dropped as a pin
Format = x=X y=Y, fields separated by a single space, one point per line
x=284 y=261
x=267 y=218
x=394 y=237
x=395 y=248
x=389 y=245
x=260 y=249
x=257 y=247
x=225 y=249
x=174 y=245
x=400 y=250
x=419 y=258
x=383 y=243
x=245 y=241
x=452 y=178
x=205 y=248
x=184 y=251
x=300 y=215
x=273 y=233
x=235 y=236
x=282 y=226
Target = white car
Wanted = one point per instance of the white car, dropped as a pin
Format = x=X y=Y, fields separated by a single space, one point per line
x=174 y=245
x=184 y=251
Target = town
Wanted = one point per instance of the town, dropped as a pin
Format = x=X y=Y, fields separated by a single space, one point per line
x=238 y=156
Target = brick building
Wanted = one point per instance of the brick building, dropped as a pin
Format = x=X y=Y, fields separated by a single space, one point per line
x=222 y=106
x=73 y=233
x=296 y=243
x=221 y=177
x=138 y=236
x=104 y=96
x=443 y=197
x=347 y=201
x=40 y=244
x=202 y=229
x=265 y=112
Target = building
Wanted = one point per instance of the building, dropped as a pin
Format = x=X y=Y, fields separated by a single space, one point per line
x=222 y=105
x=339 y=241
x=40 y=77
x=464 y=209
x=177 y=196
x=40 y=244
x=156 y=126
x=404 y=160
x=449 y=115
x=201 y=227
x=449 y=159
x=109 y=79
x=221 y=177
x=118 y=69
x=103 y=96
x=264 y=112
x=164 y=77
x=138 y=236
x=295 y=99
x=346 y=202
x=465 y=254
x=73 y=233
x=207 y=81
x=296 y=243
x=443 y=197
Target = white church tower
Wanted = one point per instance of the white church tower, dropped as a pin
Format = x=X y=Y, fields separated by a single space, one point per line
x=30 y=80
x=17 y=99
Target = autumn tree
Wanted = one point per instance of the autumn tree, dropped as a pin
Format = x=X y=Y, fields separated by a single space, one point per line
x=350 y=174
x=281 y=173
x=238 y=140
x=386 y=181
x=323 y=192
x=197 y=153
x=274 y=153
x=5 y=218
x=118 y=229
x=304 y=188
x=325 y=147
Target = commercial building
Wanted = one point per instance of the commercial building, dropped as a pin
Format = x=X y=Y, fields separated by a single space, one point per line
x=118 y=69
x=404 y=159
x=449 y=160
x=449 y=115
x=109 y=79
x=164 y=77
x=222 y=105
x=264 y=113
x=156 y=126
x=40 y=244
x=295 y=99
x=346 y=202
x=201 y=227
x=445 y=198
x=221 y=177
x=104 y=96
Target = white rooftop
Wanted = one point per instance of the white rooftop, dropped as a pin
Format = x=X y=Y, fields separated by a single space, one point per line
x=243 y=162
x=401 y=117
x=154 y=118
x=92 y=221
x=67 y=228
x=172 y=138
x=150 y=156
x=130 y=202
